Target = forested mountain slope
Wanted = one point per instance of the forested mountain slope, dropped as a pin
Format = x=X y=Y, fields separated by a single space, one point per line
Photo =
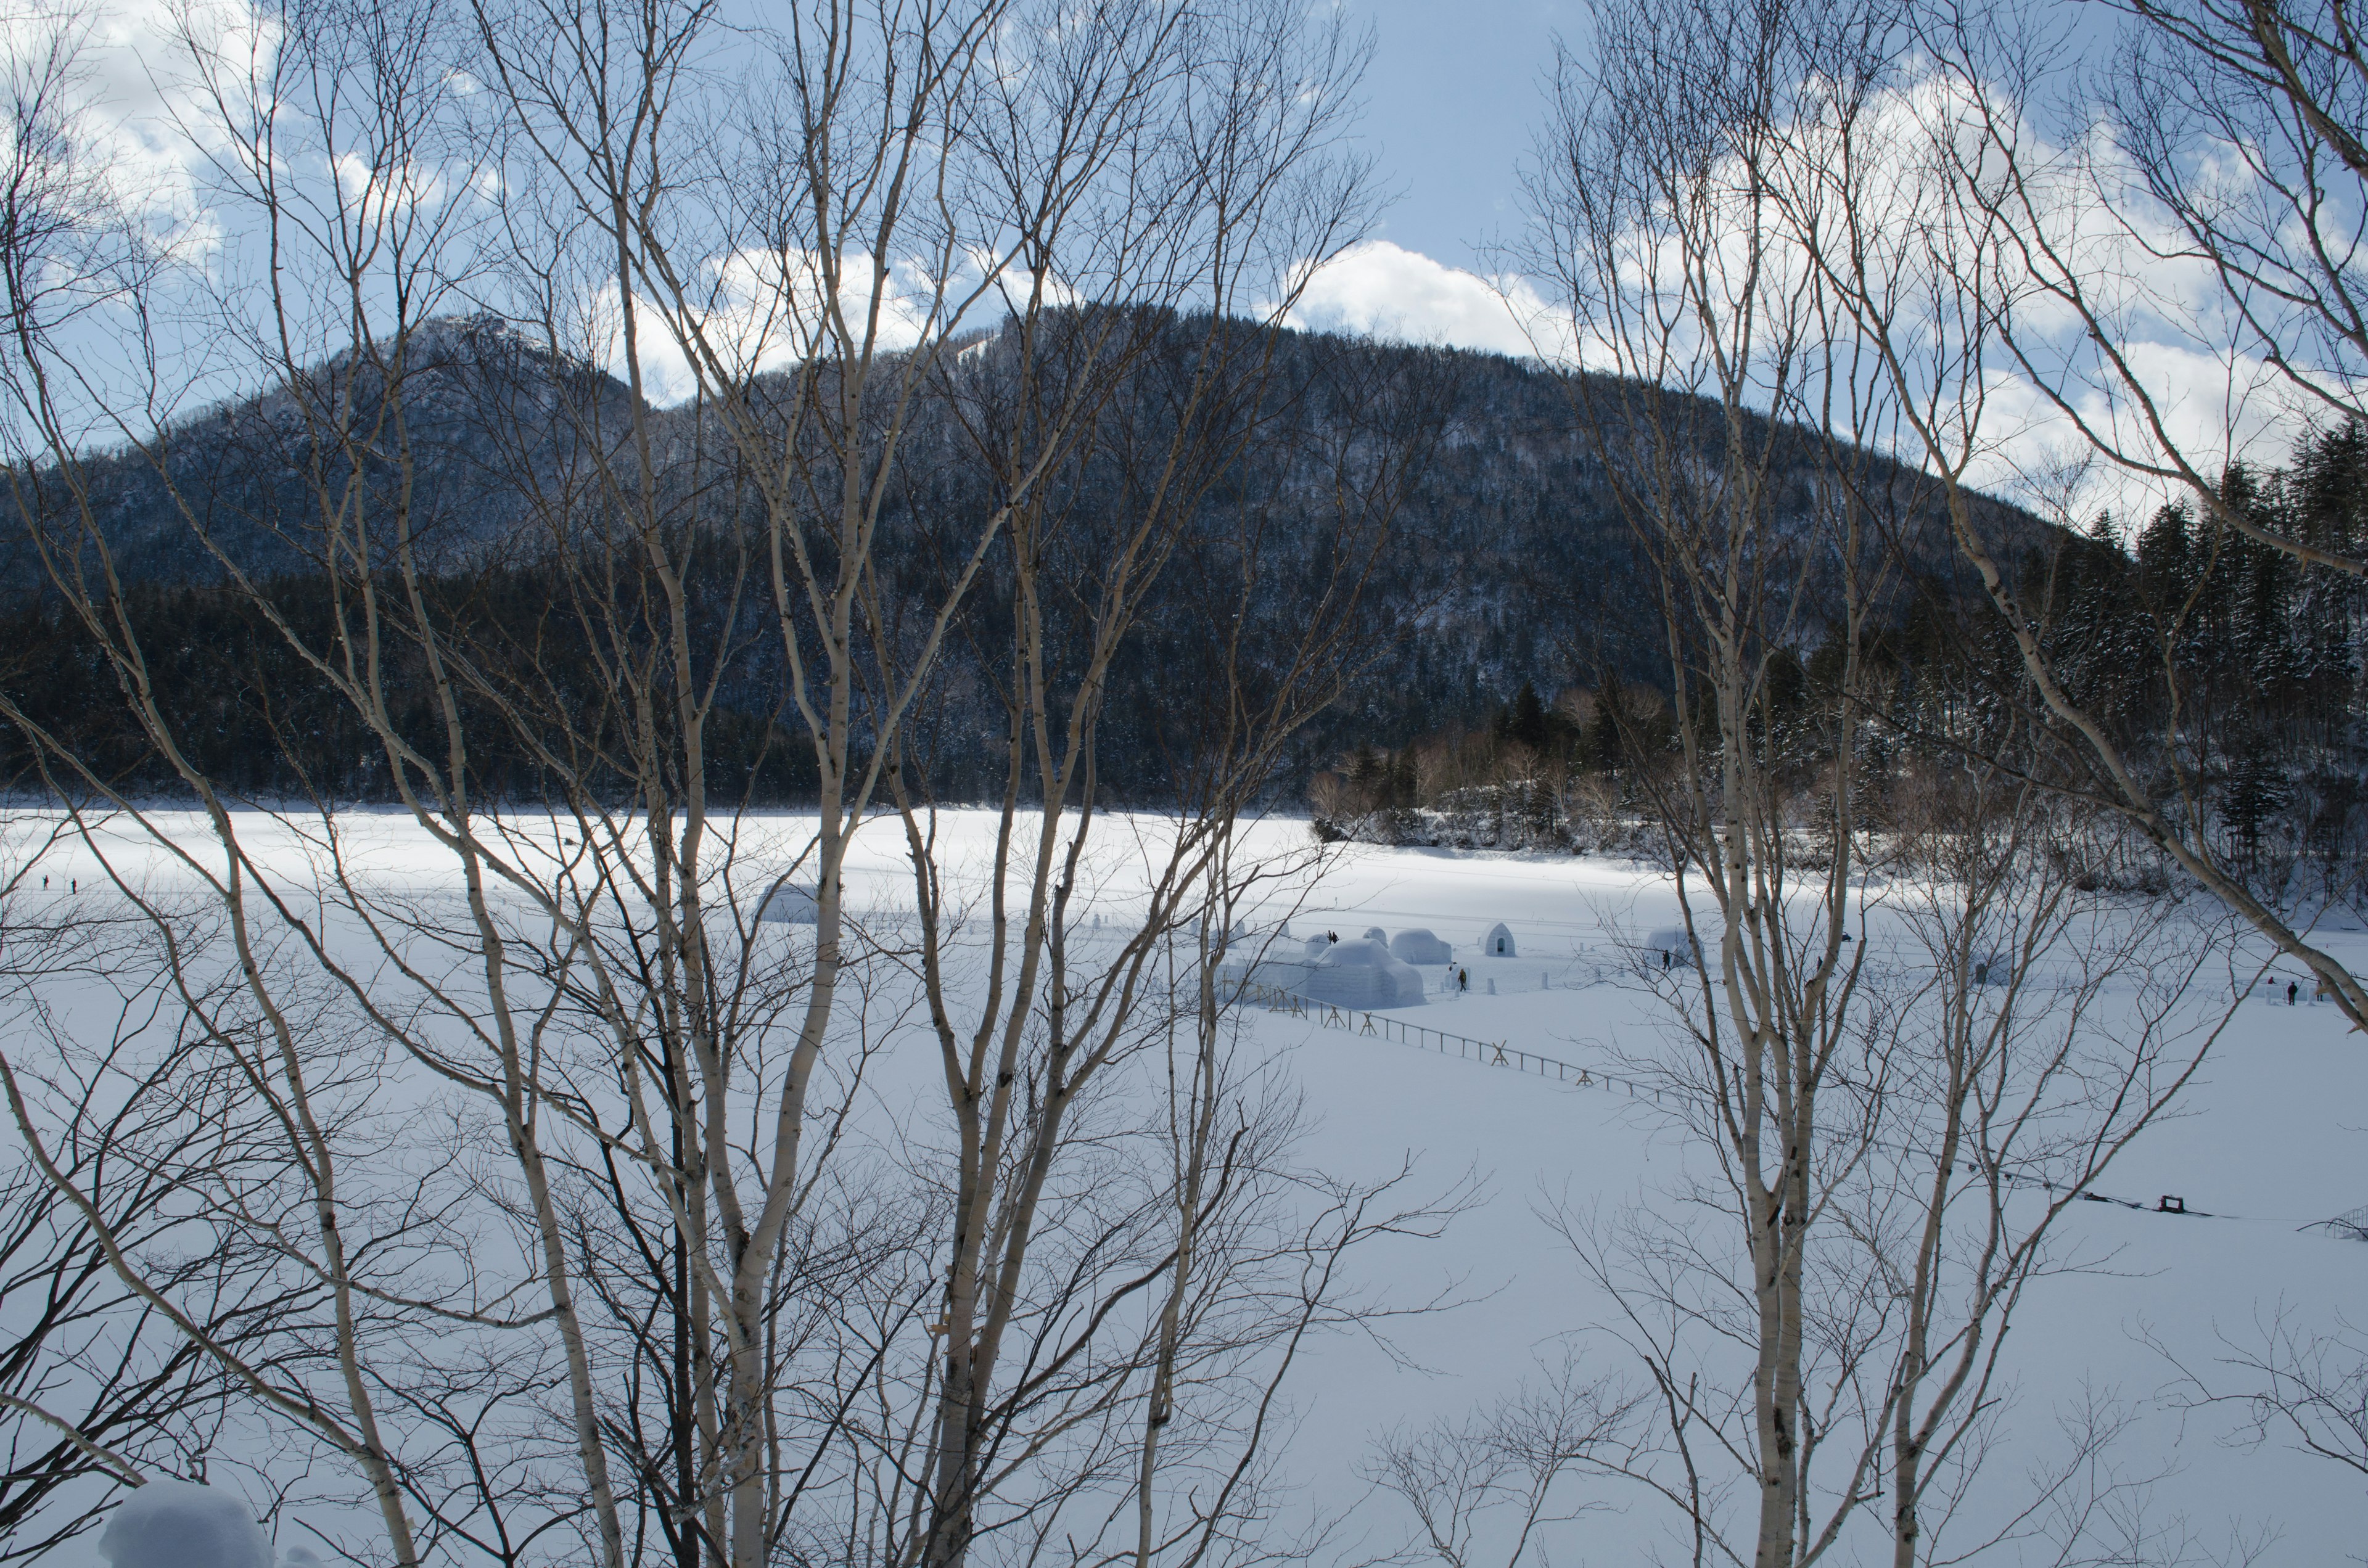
x=1506 y=562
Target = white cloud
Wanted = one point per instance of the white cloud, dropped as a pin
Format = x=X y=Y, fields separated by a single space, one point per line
x=377 y=193
x=1379 y=289
x=2173 y=326
x=758 y=312
x=135 y=98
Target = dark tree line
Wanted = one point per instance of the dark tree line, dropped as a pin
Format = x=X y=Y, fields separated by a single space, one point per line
x=1507 y=572
x=2234 y=669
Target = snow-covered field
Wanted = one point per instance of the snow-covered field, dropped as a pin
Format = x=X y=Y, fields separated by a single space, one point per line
x=2275 y=1136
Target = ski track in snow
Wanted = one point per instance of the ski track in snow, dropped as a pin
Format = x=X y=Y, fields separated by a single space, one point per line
x=2273 y=1137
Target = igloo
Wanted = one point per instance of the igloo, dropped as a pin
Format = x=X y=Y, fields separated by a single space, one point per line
x=1418 y=945
x=181 y=1523
x=1375 y=934
x=1670 y=947
x=1274 y=959
x=1359 y=973
x=1284 y=972
x=1498 y=942
x=790 y=906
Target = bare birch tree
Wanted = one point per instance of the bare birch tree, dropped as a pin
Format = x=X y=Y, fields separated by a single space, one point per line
x=1855 y=1115
x=1963 y=239
x=2219 y=219
x=1695 y=331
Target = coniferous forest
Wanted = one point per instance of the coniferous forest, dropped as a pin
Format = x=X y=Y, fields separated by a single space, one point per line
x=2199 y=645
x=1500 y=562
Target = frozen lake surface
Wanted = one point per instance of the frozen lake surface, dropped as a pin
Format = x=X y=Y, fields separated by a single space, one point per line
x=2273 y=1137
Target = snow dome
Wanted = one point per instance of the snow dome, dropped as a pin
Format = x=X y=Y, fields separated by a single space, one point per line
x=1375 y=934
x=788 y=905
x=181 y=1523
x=1669 y=947
x=1269 y=956
x=1359 y=973
x=1418 y=945
x=1498 y=942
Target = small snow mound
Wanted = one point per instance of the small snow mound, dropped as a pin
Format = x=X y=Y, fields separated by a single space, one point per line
x=1418 y=945
x=790 y=906
x=179 y=1524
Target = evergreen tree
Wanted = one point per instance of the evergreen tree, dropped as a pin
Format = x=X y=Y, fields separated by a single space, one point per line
x=2258 y=789
x=1526 y=722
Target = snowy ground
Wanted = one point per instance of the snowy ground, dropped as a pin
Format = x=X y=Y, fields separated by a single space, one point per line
x=2275 y=1137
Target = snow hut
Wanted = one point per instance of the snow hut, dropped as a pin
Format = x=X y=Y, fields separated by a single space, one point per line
x=1236 y=936
x=1359 y=973
x=1272 y=959
x=1669 y=947
x=1498 y=942
x=1286 y=972
x=181 y=1524
x=1418 y=945
x=1375 y=934
x=788 y=905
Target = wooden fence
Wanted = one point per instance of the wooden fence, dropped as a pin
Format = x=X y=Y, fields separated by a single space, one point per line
x=1386 y=1026
x=1499 y=1054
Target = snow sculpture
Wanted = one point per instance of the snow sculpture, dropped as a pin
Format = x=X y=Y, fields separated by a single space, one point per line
x=179 y=1524
x=1285 y=974
x=1274 y=960
x=790 y=906
x=1498 y=942
x=1418 y=945
x=1359 y=973
x=1669 y=947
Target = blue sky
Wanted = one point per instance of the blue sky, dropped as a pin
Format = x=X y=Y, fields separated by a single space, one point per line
x=1452 y=94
